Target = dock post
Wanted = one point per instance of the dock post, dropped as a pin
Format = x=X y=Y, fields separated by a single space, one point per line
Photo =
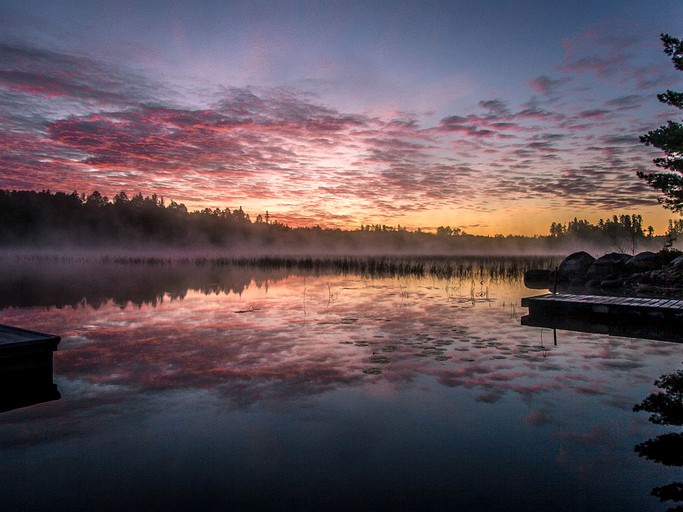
x=555 y=283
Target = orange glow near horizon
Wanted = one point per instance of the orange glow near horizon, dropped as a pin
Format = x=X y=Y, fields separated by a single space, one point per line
x=514 y=220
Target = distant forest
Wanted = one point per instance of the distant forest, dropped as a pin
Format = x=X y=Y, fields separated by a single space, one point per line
x=30 y=219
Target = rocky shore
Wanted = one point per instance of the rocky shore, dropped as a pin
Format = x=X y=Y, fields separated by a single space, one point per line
x=647 y=273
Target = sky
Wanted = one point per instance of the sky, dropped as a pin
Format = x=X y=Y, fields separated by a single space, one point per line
x=498 y=117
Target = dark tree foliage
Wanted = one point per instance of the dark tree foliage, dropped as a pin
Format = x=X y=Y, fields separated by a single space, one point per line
x=666 y=449
x=670 y=492
x=669 y=139
x=46 y=217
x=666 y=407
x=623 y=232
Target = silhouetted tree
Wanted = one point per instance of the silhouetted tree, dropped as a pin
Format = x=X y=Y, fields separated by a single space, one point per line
x=624 y=231
x=120 y=198
x=557 y=229
x=582 y=229
x=669 y=139
x=96 y=200
x=446 y=231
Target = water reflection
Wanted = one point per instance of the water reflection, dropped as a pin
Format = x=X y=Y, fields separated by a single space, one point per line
x=632 y=328
x=665 y=408
x=26 y=368
x=28 y=281
x=307 y=392
x=26 y=379
x=56 y=283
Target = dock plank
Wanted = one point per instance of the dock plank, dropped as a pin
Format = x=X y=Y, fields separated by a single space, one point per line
x=14 y=337
x=625 y=304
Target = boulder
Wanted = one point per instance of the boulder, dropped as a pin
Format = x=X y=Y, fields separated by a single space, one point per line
x=608 y=266
x=575 y=266
x=577 y=285
x=677 y=262
x=644 y=262
x=667 y=277
x=538 y=279
x=612 y=284
x=593 y=284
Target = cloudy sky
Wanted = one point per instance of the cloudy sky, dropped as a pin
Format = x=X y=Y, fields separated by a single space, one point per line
x=494 y=116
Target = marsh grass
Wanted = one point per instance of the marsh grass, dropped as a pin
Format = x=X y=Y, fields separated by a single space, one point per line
x=477 y=268
x=44 y=279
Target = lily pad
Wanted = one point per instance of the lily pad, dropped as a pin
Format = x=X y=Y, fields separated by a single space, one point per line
x=380 y=360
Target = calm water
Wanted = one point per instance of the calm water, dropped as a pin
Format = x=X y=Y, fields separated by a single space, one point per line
x=239 y=389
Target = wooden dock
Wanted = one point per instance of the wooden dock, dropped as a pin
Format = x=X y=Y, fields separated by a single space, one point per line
x=637 y=317
x=26 y=371
x=13 y=338
x=603 y=304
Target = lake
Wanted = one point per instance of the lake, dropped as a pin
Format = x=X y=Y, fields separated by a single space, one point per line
x=247 y=387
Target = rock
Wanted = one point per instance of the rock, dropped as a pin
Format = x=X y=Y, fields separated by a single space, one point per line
x=670 y=277
x=575 y=266
x=644 y=262
x=612 y=284
x=608 y=266
x=538 y=279
x=646 y=289
x=593 y=284
x=577 y=285
x=614 y=271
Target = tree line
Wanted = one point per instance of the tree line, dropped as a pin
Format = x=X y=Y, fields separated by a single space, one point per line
x=45 y=218
x=624 y=232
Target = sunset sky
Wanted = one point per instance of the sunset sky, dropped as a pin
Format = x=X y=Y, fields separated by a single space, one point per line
x=493 y=116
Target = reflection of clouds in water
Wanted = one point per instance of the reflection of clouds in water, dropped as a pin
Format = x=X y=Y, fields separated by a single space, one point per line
x=305 y=336
x=596 y=436
x=538 y=418
x=593 y=453
x=202 y=339
x=104 y=403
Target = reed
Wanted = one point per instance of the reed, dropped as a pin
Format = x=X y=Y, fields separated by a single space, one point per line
x=491 y=268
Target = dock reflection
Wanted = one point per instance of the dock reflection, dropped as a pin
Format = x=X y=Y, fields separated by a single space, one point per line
x=650 y=329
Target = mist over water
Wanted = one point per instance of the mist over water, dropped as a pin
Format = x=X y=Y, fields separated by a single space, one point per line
x=36 y=279
x=274 y=385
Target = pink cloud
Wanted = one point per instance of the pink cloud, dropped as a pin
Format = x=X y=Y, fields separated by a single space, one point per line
x=79 y=124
